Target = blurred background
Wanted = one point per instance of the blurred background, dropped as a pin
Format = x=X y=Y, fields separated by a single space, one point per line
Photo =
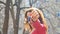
x=12 y=15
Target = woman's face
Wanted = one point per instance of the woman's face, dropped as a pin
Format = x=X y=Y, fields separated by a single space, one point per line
x=34 y=15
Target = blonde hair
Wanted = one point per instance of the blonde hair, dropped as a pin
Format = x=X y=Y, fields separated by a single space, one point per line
x=41 y=18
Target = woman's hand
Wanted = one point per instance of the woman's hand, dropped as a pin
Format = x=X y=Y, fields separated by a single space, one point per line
x=34 y=15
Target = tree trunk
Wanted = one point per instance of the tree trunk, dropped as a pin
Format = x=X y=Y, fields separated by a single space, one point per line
x=6 y=20
x=16 y=24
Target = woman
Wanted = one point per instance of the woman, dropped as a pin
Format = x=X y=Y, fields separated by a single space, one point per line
x=35 y=22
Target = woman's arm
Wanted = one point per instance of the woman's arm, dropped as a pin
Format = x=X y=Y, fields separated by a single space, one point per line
x=44 y=21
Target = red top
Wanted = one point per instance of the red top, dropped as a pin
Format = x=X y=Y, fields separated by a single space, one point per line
x=39 y=28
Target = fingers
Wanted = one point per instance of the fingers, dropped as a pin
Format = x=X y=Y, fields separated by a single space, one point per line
x=34 y=15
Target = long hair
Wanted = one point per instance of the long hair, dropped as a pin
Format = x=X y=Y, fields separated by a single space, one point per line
x=41 y=17
x=30 y=10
